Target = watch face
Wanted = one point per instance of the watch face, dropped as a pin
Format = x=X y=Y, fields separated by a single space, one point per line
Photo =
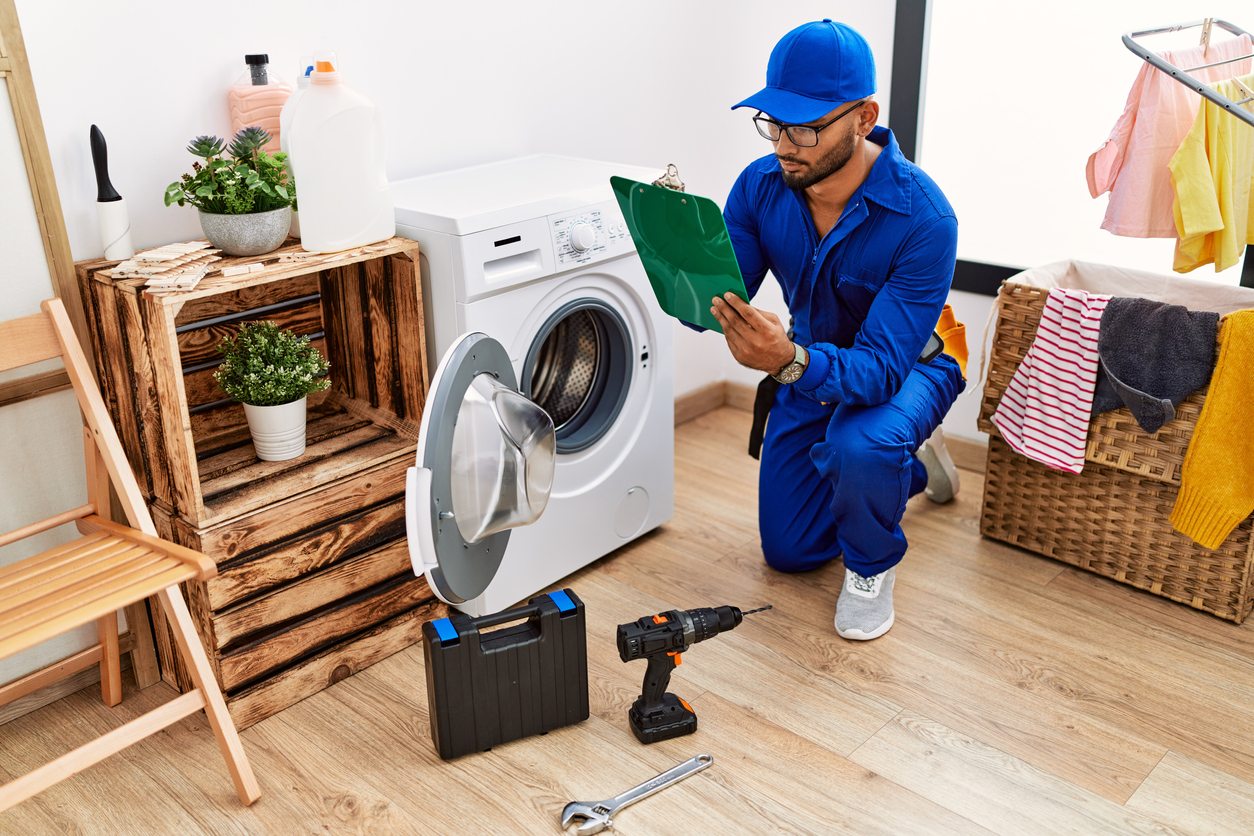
x=791 y=373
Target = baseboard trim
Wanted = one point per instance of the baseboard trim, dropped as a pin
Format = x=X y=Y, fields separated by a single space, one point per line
x=740 y=395
x=712 y=396
x=967 y=453
x=698 y=402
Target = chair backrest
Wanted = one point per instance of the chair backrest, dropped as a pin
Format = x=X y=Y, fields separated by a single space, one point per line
x=28 y=340
x=49 y=334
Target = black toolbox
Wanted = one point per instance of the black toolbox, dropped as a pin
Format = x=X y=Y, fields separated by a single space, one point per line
x=494 y=687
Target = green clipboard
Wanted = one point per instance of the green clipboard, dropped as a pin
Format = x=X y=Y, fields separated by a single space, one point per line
x=684 y=246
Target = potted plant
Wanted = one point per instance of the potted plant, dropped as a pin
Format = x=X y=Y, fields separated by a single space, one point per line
x=271 y=371
x=245 y=197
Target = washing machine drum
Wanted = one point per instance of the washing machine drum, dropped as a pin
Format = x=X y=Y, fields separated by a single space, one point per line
x=486 y=456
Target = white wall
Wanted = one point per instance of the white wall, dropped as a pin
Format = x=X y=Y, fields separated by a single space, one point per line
x=646 y=83
x=1018 y=96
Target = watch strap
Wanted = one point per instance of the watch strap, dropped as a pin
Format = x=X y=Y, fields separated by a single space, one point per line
x=791 y=372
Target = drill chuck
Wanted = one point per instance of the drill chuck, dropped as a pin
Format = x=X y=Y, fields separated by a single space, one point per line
x=675 y=630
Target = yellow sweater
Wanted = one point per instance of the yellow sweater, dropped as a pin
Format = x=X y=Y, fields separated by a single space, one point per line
x=1217 y=481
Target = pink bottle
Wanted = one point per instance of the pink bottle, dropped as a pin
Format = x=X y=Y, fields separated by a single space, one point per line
x=257 y=98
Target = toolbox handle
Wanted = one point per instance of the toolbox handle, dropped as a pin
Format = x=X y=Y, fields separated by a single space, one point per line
x=507 y=616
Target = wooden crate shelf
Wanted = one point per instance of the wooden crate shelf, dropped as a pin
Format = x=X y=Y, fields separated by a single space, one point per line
x=314 y=579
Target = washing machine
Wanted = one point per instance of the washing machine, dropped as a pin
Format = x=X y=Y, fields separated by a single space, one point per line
x=533 y=255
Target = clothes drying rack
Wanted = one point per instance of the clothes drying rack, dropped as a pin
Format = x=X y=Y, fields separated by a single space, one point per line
x=1181 y=74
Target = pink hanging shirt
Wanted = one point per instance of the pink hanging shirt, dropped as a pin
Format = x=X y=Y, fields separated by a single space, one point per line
x=1132 y=165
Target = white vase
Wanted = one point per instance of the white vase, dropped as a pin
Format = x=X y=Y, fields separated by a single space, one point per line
x=278 y=431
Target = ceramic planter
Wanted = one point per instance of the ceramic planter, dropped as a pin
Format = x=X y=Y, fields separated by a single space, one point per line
x=278 y=431
x=253 y=234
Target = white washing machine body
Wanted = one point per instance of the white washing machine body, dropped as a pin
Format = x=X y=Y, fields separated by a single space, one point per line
x=534 y=253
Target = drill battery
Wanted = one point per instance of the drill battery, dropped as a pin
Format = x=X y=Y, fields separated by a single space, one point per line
x=486 y=688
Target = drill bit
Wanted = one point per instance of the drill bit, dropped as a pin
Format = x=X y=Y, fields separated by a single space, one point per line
x=759 y=609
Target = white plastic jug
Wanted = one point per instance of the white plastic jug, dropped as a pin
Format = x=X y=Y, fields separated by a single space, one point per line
x=337 y=157
x=285 y=123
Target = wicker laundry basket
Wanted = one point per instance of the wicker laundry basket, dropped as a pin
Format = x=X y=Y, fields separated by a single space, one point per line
x=1111 y=519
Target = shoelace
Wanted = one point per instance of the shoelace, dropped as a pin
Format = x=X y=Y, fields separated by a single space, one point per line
x=862 y=584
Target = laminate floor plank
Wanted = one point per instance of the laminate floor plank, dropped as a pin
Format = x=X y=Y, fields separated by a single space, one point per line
x=119 y=795
x=795 y=697
x=826 y=793
x=534 y=779
x=1073 y=652
x=1015 y=694
x=304 y=790
x=1195 y=798
x=989 y=787
x=1201 y=631
x=902 y=669
x=691 y=533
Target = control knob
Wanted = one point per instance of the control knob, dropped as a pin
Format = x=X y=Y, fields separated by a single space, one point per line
x=582 y=236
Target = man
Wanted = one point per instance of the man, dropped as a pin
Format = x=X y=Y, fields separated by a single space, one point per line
x=863 y=244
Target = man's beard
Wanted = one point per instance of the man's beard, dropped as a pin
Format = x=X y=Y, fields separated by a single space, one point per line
x=825 y=166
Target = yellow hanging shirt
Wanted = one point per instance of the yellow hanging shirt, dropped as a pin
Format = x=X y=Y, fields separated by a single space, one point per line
x=1211 y=175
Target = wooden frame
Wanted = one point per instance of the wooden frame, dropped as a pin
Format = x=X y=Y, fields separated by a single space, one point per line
x=15 y=71
x=89 y=579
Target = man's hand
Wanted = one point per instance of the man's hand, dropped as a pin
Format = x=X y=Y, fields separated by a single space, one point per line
x=757 y=339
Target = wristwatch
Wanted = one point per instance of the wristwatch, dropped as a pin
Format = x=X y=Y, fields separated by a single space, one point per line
x=794 y=370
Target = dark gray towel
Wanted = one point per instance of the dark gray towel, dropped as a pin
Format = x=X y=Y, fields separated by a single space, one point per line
x=1153 y=356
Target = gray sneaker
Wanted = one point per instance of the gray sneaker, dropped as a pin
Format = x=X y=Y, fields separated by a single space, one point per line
x=942 y=476
x=864 y=609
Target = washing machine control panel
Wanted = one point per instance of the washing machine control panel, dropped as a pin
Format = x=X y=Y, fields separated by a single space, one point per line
x=590 y=234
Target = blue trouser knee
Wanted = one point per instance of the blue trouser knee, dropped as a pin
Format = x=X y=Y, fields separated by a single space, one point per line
x=835 y=479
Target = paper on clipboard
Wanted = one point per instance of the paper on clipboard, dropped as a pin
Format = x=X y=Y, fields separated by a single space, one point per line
x=684 y=246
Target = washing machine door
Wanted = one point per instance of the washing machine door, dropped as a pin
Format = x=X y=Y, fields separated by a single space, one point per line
x=486 y=456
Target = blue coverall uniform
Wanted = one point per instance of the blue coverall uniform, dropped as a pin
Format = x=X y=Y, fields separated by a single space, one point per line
x=838 y=459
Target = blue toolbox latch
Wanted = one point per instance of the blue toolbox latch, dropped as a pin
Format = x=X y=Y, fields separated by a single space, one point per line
x=564 y=604
x=445 y=630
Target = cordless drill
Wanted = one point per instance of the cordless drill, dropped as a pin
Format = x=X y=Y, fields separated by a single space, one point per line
x=658 y=715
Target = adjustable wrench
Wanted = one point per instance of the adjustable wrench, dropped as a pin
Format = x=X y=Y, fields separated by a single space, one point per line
x=597 y=814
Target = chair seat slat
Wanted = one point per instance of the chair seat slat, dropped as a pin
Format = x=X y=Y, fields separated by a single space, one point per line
x=83 y=586
x=46 y=558
x=70 y=568
x=32 y=634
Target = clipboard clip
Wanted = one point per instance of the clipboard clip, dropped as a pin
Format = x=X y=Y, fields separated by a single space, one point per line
x=670 y=180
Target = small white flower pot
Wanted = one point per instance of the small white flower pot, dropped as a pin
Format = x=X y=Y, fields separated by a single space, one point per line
x=278 y=431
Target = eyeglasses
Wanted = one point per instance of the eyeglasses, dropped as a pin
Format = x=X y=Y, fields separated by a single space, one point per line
x=803 y=136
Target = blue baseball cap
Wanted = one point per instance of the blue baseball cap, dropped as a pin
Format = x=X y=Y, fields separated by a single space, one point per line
x=813 y=69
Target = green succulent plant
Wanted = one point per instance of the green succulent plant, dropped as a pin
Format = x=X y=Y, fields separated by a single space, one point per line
x=243 y=180
x=267 y=366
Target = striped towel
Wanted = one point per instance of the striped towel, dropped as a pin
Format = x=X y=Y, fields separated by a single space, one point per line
x=1044 y=413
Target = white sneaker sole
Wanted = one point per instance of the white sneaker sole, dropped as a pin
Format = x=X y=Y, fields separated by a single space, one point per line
x=861 y=636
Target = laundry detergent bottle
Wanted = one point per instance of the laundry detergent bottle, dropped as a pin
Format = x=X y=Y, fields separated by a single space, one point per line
x=257 y=99
x=285 y=124
x=336 y=152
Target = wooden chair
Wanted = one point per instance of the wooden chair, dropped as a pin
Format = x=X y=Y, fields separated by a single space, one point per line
x=109 y=567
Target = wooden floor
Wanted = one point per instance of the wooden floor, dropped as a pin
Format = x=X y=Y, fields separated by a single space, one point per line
x=1014 y=695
